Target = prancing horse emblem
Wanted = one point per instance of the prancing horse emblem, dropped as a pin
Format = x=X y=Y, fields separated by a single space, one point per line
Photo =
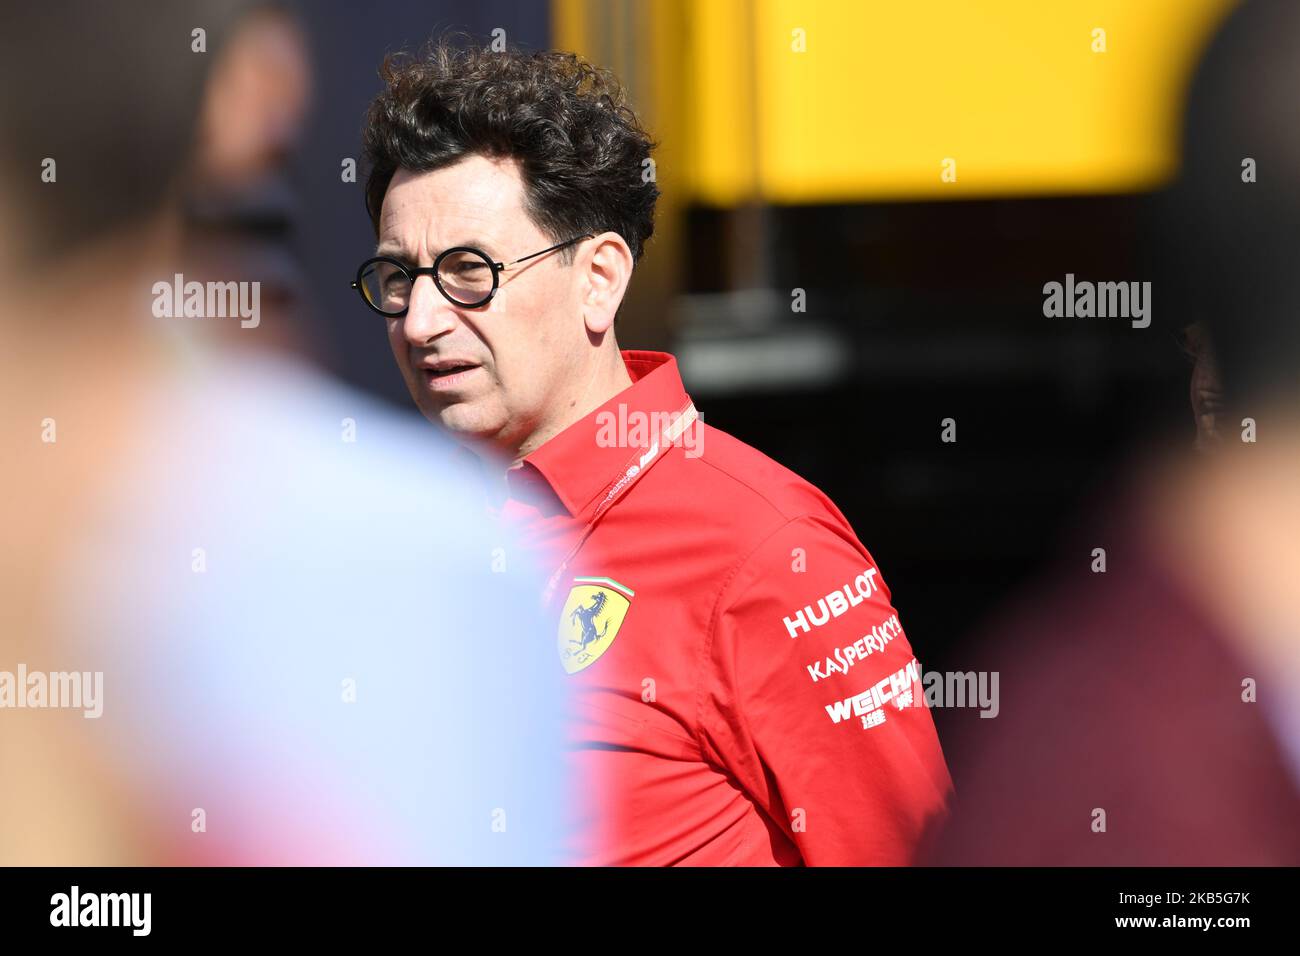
x=588 y=615
x=592 y=615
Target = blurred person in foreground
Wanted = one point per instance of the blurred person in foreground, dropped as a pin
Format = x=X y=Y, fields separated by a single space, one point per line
x=744 y=693
x=1151 y=713
x=306 y=647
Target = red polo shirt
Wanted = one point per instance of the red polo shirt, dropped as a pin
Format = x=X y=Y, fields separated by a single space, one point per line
x=743 y=691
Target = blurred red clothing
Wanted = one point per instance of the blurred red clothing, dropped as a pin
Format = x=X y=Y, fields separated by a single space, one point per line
x=1119 y=694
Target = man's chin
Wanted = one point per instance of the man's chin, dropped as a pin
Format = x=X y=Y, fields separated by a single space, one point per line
x=463 y=421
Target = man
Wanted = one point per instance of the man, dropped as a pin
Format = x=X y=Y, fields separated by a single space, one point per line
x=743 y=692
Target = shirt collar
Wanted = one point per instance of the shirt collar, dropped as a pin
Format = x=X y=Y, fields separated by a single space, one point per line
x=578 y=464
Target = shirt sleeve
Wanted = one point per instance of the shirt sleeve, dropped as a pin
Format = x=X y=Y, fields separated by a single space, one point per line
x=812 y=698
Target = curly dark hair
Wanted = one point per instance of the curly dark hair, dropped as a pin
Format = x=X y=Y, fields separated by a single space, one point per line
x=580 y=147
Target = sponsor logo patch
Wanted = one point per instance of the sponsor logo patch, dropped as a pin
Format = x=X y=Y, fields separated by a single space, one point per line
x=870 y=704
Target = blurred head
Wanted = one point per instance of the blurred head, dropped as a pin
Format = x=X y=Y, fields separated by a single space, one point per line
x=116 y=123
x=1233 y=219
x=510 y=153
x=155 y=154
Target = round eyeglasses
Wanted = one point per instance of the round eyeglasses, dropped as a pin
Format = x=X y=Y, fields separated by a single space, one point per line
x=466 y=276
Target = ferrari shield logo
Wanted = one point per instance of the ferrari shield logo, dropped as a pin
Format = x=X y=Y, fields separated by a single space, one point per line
x=590 y=620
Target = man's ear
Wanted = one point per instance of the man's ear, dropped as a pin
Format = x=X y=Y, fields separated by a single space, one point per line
x=607 y=263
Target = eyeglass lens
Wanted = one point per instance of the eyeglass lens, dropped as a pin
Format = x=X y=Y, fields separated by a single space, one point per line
x=464 y=277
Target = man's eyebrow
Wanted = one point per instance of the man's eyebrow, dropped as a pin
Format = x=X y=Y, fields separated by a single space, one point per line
x=398 y=251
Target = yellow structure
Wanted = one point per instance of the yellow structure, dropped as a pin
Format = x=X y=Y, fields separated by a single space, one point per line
x=824 y=101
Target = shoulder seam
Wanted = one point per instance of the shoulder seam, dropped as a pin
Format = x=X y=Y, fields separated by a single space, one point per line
x=741 y=481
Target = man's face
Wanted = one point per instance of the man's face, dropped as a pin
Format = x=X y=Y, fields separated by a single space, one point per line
x=1206 y=386
x=496 y=372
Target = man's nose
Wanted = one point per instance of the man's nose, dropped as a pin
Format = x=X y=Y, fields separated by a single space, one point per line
x=428 y=314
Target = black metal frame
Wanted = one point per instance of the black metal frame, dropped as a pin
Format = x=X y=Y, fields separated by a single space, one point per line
x=412 y=273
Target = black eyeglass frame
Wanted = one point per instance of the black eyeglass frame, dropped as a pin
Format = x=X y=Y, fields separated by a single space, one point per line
x=412 y=273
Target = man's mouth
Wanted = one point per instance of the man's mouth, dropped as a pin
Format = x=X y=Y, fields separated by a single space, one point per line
x=448 y=373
